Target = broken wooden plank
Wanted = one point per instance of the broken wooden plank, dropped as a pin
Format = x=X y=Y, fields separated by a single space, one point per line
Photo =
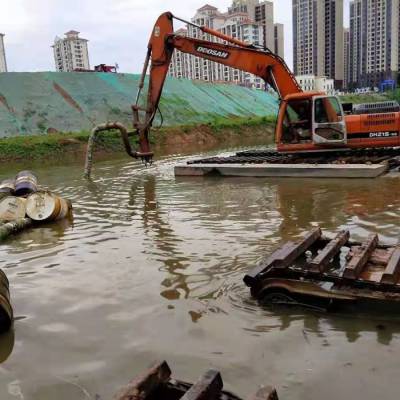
x=265 y=393
x=321 y=261
x=381 y=256
x=140 y=388
x=208 y=387
x=251 y=277
x=284 y=256
x=287 y=256
x=392 y=271
x=358 y=261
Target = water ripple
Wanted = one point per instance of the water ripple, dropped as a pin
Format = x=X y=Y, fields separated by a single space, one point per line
x=149 y=253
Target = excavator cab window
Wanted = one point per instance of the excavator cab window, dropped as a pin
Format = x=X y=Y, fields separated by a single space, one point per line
x=297 y=123
x=328 y=121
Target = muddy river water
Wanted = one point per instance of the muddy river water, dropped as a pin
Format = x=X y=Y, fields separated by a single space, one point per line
x=151 y=268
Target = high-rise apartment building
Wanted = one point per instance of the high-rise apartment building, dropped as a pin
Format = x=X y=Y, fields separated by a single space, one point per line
x=318 y=38
x=374 y=42
x=278 y=40
x=356 y=56
x=264 y=14
x=398 y=47
x=3 y=62
x=71 y=53
x=346 y=57
x=246 y=20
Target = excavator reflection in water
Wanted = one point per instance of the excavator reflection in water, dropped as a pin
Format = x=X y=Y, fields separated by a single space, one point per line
x=331 y=204
x=307 y=121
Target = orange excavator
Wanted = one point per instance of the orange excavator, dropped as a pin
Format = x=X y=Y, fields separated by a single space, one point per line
x=307 y=121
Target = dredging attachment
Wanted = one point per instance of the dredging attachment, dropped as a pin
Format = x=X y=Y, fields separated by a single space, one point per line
x=321 y=271
x=156 y=384
x=145 y=156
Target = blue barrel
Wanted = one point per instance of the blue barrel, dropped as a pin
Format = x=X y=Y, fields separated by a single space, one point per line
x=25 y=183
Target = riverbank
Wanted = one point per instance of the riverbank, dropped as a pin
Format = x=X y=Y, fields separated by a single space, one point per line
x=168 y=139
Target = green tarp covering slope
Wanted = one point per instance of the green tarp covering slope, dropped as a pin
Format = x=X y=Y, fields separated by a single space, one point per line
x=37 y=103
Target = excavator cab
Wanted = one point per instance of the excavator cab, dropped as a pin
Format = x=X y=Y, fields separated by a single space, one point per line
x=328 y=126
x=310 y=119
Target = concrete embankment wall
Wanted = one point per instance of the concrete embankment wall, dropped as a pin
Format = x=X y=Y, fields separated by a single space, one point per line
x=43 y=102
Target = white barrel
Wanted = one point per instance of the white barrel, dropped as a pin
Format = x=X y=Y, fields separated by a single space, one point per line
x=12 y=208
x=43 y=206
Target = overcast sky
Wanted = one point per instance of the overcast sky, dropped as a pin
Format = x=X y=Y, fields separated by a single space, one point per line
x=118 y=30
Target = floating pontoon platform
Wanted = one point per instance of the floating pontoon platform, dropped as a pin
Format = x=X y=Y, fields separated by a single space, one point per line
x=323 y=271
x=268 y=163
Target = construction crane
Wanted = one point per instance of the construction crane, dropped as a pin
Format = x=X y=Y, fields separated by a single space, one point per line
x=306 y=121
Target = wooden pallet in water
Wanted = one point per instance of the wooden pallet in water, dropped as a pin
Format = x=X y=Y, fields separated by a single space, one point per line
x=357 y=270
x=156 y=384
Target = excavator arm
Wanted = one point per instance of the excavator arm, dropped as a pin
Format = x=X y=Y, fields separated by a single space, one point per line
x=234 y=53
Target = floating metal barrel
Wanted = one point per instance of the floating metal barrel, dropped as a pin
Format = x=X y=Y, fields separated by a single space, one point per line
x=45 y=206
x=12 y=208
x=65 y=209
x=6 y=311
x=25 y=183
x=7 y=186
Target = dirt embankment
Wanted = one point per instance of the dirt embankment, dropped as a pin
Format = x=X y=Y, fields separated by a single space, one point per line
x=171 y=140
x=204 y=137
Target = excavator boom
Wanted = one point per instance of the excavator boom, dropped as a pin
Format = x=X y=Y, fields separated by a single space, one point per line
x=234 y=53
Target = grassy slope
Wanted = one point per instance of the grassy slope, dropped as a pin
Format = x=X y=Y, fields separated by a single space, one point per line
x=371 y=98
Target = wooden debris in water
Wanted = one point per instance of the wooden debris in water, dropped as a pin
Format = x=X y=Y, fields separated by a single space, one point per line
x=359 y=259
x=392 y=270
x=319 y=270
x=156 y=384
x=144 y=385
x=321 y=261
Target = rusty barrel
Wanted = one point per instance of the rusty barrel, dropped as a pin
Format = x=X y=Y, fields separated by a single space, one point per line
x=7 y=186
x=46 y=206
x=65 y=209
x=25 y=183
x=6 y=311
x=12 y=208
